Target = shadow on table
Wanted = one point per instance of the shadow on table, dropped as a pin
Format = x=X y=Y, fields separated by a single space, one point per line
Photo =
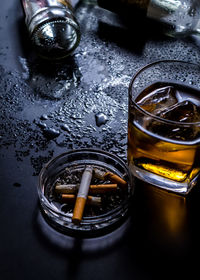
x=159 y=239
x=164 y=238
x=70 y=241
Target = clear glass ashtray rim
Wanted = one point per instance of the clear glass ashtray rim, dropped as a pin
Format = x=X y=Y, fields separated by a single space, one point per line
x=87 y=224
x=146 y=113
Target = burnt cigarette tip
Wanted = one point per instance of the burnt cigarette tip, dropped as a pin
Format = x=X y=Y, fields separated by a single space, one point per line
x=99 y=174
x=76 y=221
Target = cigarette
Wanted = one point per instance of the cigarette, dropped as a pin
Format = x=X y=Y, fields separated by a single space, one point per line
x=91 y=200
x=116 y=179
x=110 y=176
x=98 y=189
x=66 y=189
x=99 y=174
x=82 y=195
x=93 y=189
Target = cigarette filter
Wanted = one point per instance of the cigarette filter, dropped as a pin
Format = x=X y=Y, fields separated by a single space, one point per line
x=91 y=200
x=100 y=189
x=82 y=195
x=110 y=176
x=116 y=179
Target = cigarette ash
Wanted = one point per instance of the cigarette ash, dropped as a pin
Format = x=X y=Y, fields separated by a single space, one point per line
x=72 y=175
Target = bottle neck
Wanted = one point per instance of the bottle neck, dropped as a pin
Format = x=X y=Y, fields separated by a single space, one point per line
x=159 y=10
x=178 y=20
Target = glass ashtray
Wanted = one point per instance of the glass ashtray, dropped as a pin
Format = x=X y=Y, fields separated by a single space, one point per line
x=109 y=208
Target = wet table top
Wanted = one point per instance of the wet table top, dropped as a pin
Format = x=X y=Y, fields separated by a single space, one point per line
x=47 y=109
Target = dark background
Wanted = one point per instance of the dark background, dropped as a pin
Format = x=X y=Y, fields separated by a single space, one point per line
x=48 y=108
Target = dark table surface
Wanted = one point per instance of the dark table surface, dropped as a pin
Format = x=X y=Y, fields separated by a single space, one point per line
x=47 y=109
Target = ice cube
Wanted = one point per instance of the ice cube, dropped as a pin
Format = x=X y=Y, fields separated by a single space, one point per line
x=185 y=111
x=158 y=100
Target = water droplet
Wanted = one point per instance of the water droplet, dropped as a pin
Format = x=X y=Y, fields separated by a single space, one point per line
x=101 y=119
x=41 y=124
x=51 y=133
x=65 y=127
x=44 y=117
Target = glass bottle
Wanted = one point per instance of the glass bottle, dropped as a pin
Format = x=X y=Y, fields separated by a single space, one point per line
x=178 y=17
x=53 y=28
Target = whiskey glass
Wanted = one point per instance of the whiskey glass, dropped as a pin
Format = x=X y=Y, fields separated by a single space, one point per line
x=164 y=125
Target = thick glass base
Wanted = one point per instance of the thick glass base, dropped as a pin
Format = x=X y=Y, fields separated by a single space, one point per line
x=161 y=182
